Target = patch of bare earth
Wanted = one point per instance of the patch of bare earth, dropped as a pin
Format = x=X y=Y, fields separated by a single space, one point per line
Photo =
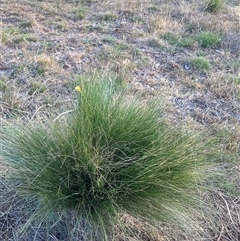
x=148 y=44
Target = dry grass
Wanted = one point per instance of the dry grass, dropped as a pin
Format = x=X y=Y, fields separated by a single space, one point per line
x=44 y=45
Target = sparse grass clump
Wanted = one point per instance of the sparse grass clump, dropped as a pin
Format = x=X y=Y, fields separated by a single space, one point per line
x=201 y=64
x=25 y=24
x=37 y=87
x=154 y=43
x=208 y=39
x=106 y=17
x=24 y=38
x=153 y=8
x=113 y=155
x=79 y=14
x=9 y=98
x=214 y=5
x=171 y=38
x=174 y=39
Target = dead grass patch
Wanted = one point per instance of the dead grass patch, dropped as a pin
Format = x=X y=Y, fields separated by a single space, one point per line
x=47 y=63
x=135 y=229
x=224 y=86
x=161 y=24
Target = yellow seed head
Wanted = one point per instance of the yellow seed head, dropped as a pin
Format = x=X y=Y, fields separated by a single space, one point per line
x=78 y=89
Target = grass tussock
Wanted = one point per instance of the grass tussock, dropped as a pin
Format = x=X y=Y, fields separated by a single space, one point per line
x=214 y=5
x=113 y=155
x=208 y=39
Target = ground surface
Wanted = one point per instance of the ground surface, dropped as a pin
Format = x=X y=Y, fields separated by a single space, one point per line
x=157 y=47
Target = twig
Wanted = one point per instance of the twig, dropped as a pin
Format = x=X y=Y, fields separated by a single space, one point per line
x=39 y=108
x=220 y=235
x=229 y=212
x=64 y=113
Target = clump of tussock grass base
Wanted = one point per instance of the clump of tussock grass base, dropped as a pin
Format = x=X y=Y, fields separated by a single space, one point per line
x=214 y=5
x=113 y=155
